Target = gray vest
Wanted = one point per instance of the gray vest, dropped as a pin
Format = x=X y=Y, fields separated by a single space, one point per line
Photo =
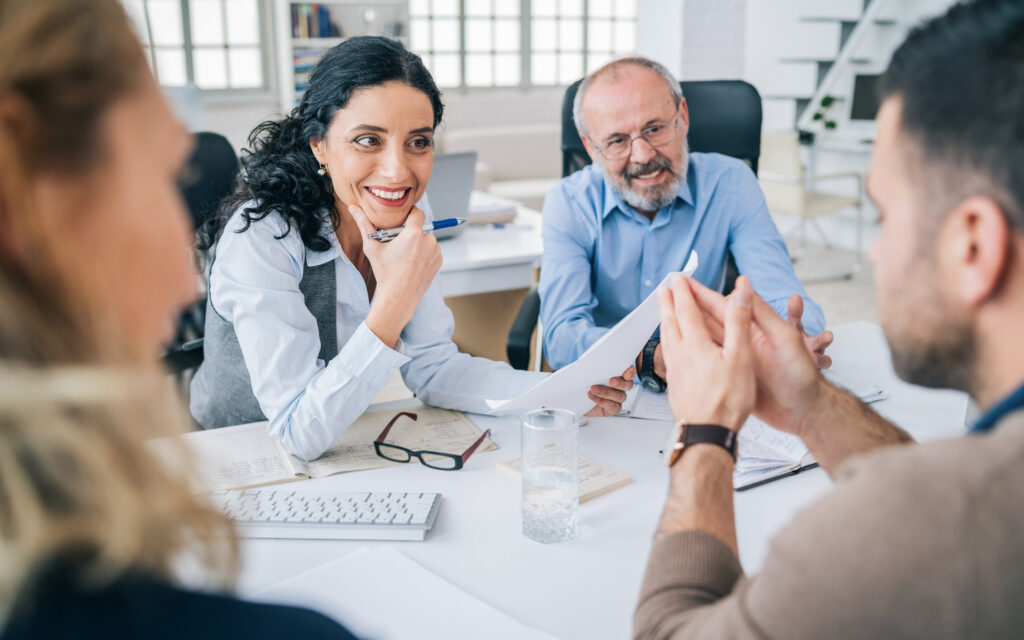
x=221 y=391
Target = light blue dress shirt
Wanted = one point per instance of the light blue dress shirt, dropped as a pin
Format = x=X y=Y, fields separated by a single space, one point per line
x=254 y=284
x=602 y=258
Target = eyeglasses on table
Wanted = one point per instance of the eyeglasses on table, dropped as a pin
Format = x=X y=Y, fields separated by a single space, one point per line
x=432 y=459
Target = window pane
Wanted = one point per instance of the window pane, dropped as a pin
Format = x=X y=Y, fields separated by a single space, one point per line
x=419 y=7
x=600 y=8
x=625 y=36
x=446 y=70
x=570 y=67
x=506 y=35
x=478 y=34
x=446 y=35
x=570 y=34
x=246 y=67
x=544 y=8
x=572 y=8
x=542 y=68
x=508 y=8
x=419 y=34
x=478 y=7
x=596 y=60
x=506 y=70
x=446 y=7
x=428 y=62
x=210 y=68
x=207 y=22
x=599 y=35
x=625 y=8
x=165 y=21
x=138 y=15
x=243 y=22
x=170 y=67
x=543 y=35
x=479 y=72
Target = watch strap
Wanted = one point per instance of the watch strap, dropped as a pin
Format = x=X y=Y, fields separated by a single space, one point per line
x=651 y=380
x=689 y=434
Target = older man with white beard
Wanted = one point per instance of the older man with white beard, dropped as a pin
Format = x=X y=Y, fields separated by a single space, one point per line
x=614 y=229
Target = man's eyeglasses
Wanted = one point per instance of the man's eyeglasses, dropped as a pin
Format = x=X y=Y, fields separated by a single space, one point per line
x=432 y=459
x=619 y=147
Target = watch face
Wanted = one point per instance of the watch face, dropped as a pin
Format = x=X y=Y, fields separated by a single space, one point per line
x=653 y=384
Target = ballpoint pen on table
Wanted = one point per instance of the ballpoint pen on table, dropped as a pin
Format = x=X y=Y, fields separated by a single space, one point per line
x=387 y=235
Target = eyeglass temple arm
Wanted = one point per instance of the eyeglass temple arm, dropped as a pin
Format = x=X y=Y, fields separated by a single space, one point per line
x=476 y=444
x=391 y=423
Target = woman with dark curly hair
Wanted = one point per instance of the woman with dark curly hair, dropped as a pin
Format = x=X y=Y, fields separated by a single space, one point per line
x=306 y=317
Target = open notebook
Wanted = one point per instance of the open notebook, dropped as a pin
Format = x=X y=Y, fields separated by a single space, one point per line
x=765 y=454
x=247 y=456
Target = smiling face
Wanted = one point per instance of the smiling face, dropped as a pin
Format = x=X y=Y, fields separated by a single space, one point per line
x=627 y=102
x=379 y=152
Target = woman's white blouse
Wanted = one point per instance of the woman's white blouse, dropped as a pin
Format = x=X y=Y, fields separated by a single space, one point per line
x=254 y=284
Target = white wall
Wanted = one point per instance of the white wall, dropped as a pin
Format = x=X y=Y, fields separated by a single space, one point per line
x=714 y=39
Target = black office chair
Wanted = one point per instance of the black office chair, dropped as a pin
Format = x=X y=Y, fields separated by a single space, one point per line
x=208 y=178
x=725 y=117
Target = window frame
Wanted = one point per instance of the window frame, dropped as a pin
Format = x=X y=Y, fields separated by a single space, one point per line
x=266 y=44
x=526 y=17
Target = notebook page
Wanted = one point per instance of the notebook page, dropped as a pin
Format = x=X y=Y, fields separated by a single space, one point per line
x=236 y=457
x=434 y=430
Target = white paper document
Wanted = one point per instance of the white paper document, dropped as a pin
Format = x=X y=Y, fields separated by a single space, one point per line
x=383 y=594
x=608 y=357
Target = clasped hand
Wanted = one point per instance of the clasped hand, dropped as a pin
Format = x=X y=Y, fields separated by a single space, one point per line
x=728 y=357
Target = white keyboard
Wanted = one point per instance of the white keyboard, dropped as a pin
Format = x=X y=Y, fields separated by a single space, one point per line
x=350 y=515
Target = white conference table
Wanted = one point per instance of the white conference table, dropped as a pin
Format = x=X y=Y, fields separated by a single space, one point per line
x=486 y=258
x=587 y=588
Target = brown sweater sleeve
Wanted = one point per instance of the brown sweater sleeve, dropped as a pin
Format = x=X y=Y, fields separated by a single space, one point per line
x=685 y=572
x=879 y=557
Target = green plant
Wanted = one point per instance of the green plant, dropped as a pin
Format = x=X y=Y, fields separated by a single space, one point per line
x=821 y=115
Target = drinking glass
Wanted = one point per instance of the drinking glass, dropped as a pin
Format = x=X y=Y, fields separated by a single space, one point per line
x=550 y=477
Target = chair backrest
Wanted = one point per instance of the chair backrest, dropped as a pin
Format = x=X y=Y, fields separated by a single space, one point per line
x=211 y=173
x=725 y=117
x=780 y=154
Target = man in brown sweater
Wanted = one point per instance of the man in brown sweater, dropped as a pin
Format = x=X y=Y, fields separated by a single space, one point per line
x=915 y=541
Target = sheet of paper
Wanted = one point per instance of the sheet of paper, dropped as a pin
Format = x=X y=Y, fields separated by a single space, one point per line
x=236 y=457
x=434 y=430
x=651 y=405
x=608 y=357
x=383 y=594
x=867 y=391
x=595 y=479
x=762 y=440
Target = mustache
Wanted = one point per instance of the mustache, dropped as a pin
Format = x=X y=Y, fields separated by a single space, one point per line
x=654 y=164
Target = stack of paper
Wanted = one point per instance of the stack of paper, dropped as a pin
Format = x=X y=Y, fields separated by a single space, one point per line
x=382 y=594
x=485 y=208
x=594 y=478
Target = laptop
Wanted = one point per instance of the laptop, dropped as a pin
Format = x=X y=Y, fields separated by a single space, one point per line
x=450 y=187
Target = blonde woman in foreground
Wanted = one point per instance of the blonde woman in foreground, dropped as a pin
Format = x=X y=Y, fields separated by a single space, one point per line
x=93 y=268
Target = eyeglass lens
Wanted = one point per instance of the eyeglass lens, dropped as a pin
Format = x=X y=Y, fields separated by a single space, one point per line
x=656 y=135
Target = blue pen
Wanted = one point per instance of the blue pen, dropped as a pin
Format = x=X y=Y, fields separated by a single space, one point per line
x=387 y=235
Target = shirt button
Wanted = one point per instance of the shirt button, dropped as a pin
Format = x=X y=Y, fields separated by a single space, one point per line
x=647 y=283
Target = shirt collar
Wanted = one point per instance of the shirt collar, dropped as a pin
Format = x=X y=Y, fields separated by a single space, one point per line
x=1006 y=406
x=613 y=201
x=317 y=258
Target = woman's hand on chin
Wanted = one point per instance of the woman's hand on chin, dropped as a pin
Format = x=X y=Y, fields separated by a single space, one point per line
x=403 y=268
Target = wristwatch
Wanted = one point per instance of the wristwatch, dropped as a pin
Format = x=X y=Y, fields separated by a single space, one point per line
x=651 y=380
x=683 y=435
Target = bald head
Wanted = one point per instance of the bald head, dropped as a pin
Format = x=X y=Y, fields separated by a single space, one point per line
x=615 y=73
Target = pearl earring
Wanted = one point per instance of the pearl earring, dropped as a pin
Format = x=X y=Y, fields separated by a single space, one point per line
x=322 y=171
